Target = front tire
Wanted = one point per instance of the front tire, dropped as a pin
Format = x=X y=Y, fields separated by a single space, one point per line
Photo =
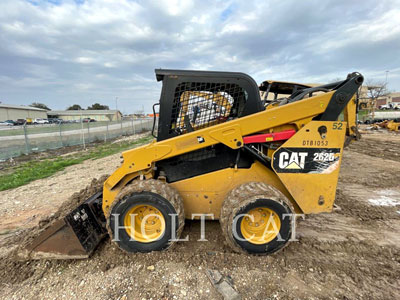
x=145 y=216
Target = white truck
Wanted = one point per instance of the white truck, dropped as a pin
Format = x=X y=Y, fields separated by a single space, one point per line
x=380 y=116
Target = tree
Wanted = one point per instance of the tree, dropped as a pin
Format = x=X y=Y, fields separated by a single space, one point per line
x=75 y=107
x=375 y=91
x=40 y=105
x=98 y=106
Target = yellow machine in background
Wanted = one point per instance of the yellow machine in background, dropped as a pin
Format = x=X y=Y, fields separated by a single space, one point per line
x=390 y=125
x=220 y=151
x=393 y=126
x=273 y=93
x=217 y=105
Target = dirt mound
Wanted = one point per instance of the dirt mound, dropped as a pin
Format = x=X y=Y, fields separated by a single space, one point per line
x=74 y=201
x=15 y=265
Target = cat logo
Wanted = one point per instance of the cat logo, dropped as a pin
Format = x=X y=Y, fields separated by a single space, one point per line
x=292 y=160
x=306 y=160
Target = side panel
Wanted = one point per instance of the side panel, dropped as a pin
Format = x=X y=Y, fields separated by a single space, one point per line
x=206 y=193
x=308 y=164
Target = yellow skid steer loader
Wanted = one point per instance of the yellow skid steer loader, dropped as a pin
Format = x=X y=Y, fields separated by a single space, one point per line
x=219 y=151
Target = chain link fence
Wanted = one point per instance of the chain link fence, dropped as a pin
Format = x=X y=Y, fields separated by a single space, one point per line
x=19 y=140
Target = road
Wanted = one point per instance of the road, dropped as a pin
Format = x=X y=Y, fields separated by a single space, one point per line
x=126 y=124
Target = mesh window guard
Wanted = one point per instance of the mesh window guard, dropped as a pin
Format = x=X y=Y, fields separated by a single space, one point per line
x=200 y=104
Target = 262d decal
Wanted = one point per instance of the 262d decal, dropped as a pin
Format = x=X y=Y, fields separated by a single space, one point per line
x=306 y=160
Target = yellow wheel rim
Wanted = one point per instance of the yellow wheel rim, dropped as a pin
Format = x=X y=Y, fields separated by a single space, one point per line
x=144 y=223
x=260 y=225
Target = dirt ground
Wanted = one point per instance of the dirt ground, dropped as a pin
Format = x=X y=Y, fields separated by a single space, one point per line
x=353 y=253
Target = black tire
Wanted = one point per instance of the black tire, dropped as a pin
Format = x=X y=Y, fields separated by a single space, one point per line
x=148 y=192
x=245 y=198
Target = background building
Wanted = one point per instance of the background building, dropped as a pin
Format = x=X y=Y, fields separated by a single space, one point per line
x=98 y=115
x=15 y=112
x=389 y=98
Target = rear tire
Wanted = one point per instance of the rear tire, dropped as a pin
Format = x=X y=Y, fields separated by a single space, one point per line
x=256 y=204
x=160 y=199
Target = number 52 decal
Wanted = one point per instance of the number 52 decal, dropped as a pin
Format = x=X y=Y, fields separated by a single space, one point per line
x=337 y=126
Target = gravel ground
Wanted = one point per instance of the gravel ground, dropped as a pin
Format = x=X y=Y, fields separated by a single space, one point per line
x=352 y=253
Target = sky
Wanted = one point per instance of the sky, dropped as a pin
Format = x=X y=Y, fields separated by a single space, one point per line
x=62 y=52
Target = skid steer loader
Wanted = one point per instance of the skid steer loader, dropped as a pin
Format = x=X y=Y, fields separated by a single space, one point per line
x=219 y=151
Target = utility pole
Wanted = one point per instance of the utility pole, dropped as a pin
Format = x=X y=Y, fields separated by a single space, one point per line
x=83 y=133
x=386 y=77
x=116 y=103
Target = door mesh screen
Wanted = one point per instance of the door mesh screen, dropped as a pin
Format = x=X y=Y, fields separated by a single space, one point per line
x=200 y=104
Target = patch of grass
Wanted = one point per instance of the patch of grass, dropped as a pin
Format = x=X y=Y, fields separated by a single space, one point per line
x=34 y=170
x=362 y=113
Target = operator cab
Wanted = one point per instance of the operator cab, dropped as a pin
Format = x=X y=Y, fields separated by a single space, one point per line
x=192 y=100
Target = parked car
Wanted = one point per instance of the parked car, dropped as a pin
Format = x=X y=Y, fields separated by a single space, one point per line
x=10 y=122
x=40 y=121
x=20 y=122
x=6 y=124
x=87 y=120
x=392 y=105
x=55 y=121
